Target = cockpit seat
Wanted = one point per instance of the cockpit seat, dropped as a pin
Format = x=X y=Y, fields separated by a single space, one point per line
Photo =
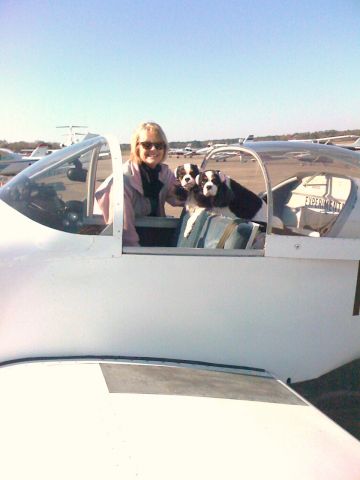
x=216 y=231
x=227 y=233
x=289 y=217
x=191 y=241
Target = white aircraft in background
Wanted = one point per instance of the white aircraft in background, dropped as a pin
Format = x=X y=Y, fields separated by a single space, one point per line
x=12 y=163
x=212 y=146
x=7 y=155
x=73 y=136
x=186 y=151
x=338 y=140
x=350 y=146
x=39 y=152
x=222 y=155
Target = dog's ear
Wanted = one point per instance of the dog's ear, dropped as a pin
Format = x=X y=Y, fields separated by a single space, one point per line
x=197 y=179
x=224 y=196
x=221 y=175
x=196 y=170
x=223 y=178
x=176 y=171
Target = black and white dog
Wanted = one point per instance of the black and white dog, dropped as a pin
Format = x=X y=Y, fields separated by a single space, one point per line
x=229 y=198
x=190 y=192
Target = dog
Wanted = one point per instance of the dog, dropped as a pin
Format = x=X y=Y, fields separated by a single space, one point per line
x=186 y=174
x=230 y=198
x=189 y=191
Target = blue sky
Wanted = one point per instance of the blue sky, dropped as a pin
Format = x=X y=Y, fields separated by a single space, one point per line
x=203 y=69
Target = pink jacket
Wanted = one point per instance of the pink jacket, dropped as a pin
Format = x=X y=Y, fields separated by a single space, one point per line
x=135 y=204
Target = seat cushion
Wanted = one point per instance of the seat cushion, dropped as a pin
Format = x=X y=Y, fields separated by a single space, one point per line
x=240 y=236
x=217 y=226
x=191 y=241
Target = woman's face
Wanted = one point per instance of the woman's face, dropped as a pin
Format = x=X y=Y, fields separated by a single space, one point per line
x=151 y=149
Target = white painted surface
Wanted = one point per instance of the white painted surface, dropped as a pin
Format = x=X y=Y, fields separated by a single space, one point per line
x=290 y=312
x=76 y=295
x=282 y=246
x=59 y=421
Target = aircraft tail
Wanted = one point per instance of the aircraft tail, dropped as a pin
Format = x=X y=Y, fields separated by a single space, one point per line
x=40 y=150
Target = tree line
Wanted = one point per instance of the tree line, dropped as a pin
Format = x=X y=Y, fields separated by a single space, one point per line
x=21 y=145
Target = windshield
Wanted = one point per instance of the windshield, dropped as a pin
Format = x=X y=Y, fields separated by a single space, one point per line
x=58 y=191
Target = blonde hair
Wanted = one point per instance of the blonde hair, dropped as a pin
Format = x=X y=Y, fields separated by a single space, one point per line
x=149 y=127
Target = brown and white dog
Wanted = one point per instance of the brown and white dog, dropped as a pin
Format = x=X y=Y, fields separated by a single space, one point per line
x=186 y=174
x=230 y=198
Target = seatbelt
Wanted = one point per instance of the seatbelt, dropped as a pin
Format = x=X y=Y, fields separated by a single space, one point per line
x=230 y=227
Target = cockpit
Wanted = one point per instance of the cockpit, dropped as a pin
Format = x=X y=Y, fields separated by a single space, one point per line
x=310 y=190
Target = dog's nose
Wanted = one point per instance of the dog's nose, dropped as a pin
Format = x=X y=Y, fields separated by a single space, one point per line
x=187 y=179
x=208 y=187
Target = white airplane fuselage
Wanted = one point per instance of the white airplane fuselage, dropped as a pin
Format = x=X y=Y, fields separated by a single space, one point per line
x=67 y=294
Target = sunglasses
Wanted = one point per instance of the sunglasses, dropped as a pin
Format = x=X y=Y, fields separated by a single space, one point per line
x=149 y=145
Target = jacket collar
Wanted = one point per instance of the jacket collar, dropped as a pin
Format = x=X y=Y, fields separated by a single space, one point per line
x=132 y=171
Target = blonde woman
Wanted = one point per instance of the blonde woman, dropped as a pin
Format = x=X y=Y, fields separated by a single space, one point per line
x=148 y=182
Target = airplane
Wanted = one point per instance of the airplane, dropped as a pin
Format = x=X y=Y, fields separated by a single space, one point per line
x=73 y=136
x=12 y=164
x=7 y=155
x=286 y=302
x=222 y=156
x=186 y=151
x=351 y=146
x=53 y=201
x=27 y=157
x=210 y=146
x=39 y=152
x=338 y=140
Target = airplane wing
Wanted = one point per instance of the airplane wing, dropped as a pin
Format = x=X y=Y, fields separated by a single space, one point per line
x=125 y=419
x=352 y=146
x=332 y=141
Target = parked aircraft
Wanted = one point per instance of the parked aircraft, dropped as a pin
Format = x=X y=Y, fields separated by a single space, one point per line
x=7 y=155
x=210 y=146
x=343 y=141
x=14 y=163
x=72 y=136
x=351 y=146
x=186 y=151
x=213 y=324
x=222 y=156
x=35 y=154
